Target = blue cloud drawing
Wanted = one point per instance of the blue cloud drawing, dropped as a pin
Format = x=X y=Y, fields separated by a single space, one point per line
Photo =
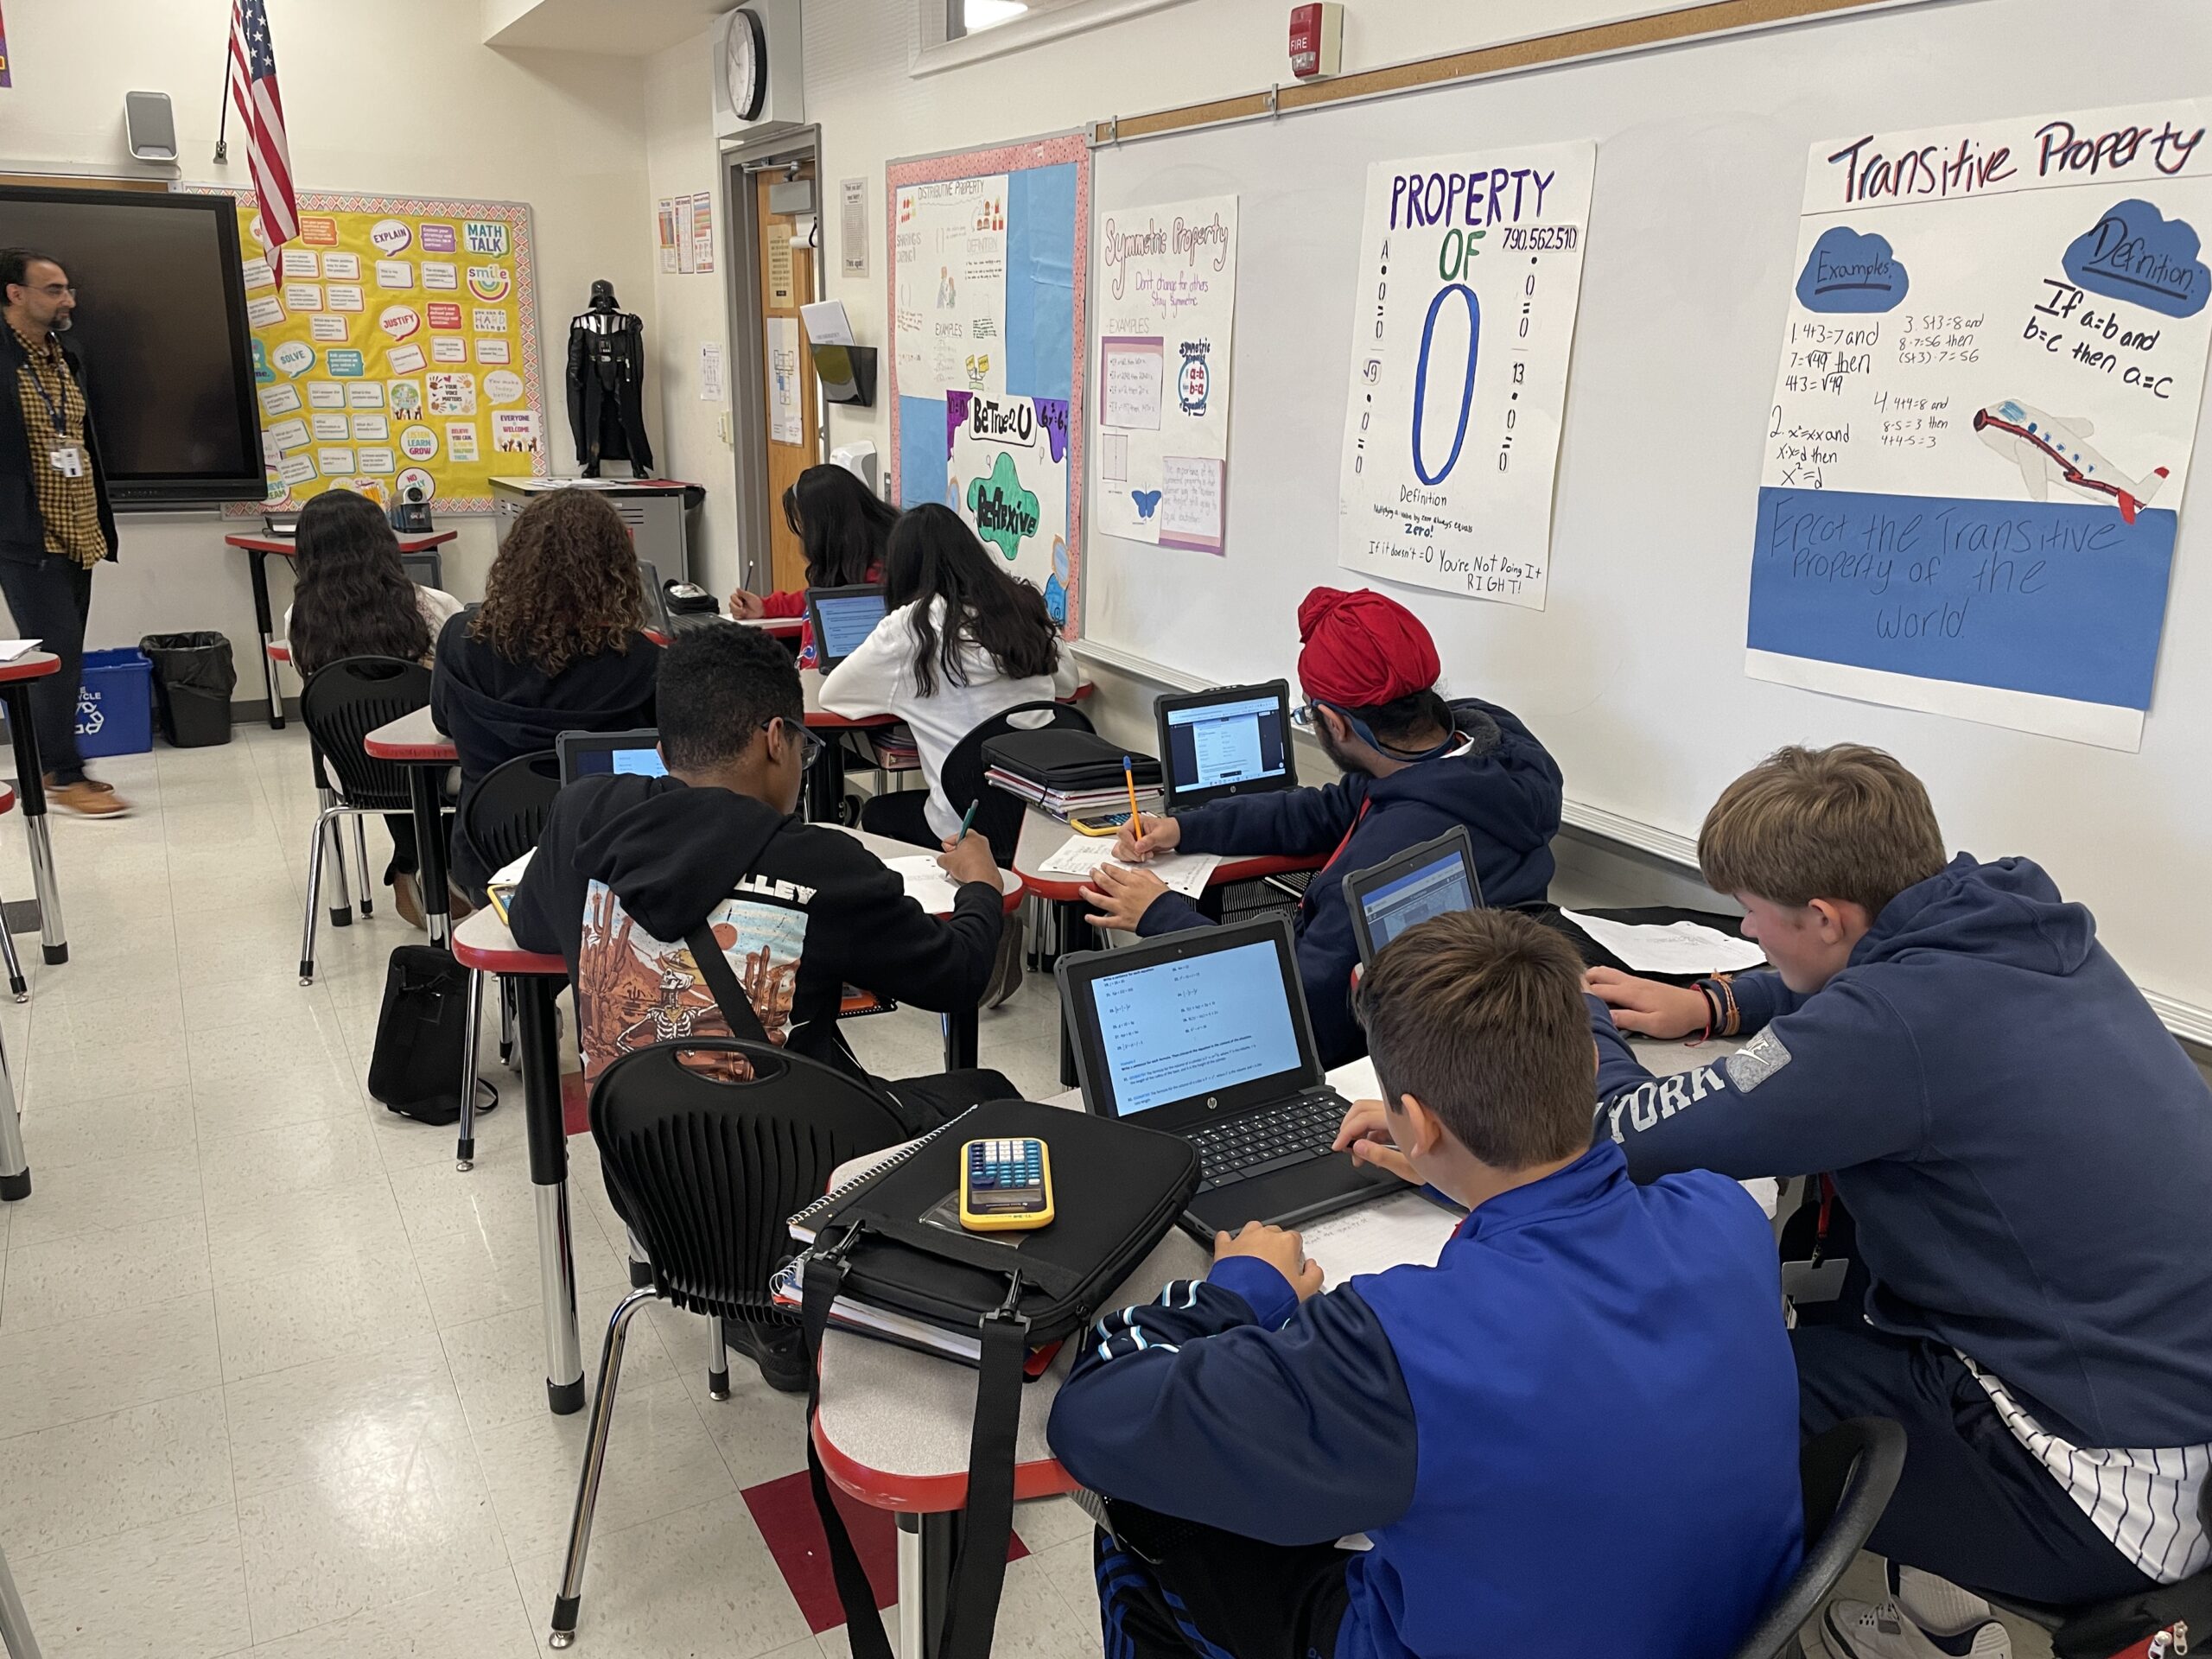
x=1850 y=272
x=1146 y=500
x=2136 y=253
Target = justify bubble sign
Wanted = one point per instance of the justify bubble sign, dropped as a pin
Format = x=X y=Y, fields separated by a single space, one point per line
x=418 y=443
x=399 y=320
x=390 y=236
x=503 y=385
x=295 y=357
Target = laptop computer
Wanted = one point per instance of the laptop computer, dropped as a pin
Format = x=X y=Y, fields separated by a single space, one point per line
x=1432 y=878
x=1234 y=739
x=842 y=617
x=1205 y=1035
x=590 y=754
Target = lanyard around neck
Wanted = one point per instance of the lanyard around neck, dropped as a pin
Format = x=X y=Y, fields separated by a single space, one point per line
x=59 y=416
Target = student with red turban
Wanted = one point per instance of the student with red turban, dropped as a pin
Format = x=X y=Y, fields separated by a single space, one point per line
x=1414 y=765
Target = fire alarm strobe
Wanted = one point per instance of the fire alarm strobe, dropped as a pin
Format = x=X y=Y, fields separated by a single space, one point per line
x=1317 y=39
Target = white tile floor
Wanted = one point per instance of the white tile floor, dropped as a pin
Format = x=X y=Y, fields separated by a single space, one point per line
x=271 y=1375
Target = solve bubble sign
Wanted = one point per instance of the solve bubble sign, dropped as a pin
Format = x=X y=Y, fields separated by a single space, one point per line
x=1469 y=277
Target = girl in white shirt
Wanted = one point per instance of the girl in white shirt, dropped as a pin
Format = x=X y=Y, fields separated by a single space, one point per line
x=961 y=640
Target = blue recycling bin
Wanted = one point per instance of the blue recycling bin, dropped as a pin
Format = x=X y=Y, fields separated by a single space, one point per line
x=115 y=707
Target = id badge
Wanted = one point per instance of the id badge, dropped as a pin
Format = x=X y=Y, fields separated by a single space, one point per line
x=67 y=460
x=1804 y=1283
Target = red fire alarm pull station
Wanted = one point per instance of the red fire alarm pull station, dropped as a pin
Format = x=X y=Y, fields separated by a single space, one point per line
x=1317 y=40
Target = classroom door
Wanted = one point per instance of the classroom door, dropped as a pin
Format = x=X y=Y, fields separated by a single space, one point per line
x=792 y=414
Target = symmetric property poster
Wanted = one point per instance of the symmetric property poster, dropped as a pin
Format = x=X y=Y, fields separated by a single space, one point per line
x=986 y=296
x=1470 y=270
x=1983 y=418
x=1168 y=282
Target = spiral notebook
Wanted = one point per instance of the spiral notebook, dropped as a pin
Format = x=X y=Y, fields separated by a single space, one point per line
x=855 y=1175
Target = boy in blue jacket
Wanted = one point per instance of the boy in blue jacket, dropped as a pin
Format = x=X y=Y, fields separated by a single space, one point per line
x=2024 y=1151
x=1576 y=1432
x=1414 y=766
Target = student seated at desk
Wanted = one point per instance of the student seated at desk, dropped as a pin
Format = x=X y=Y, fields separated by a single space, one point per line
x=352 y=598
x=1414 y=765
x=555 y=647
x=843 y=527
x=2025 y=1153
x=1575 y=1433
x=628 y=865
x=961 y=640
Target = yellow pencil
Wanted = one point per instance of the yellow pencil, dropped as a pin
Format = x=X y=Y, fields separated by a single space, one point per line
x=1130 y=776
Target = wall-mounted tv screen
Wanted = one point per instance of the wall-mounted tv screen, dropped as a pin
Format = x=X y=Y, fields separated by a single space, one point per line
x=161 y=326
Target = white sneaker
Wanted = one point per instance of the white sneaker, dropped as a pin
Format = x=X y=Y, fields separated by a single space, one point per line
x=1879 y=1629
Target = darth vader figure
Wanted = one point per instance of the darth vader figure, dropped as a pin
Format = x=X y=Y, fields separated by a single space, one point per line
x=606 y=385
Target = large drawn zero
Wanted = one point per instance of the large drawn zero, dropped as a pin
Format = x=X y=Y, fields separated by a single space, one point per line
x=1466 y=389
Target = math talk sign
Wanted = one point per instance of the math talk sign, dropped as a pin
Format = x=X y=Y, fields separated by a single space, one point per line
x=1983 y=418
x=1470 y=272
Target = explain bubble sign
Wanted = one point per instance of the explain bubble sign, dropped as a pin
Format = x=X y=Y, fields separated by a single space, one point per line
x=391 y=236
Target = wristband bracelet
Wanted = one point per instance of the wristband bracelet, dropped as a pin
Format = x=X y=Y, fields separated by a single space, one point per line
x=1733 y=1020
x=1711 y=1018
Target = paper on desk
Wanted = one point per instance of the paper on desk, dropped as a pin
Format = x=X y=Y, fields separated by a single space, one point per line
x=1387 y=1233
x=1184 y=873
x=11 y=649
x=925 y=883
x=1676 y=948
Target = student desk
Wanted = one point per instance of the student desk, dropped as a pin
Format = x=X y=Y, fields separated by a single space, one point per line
x=776 y=627
x=894 y=1425
x=16 y=677
x=257 y=548
x=416 y=743
x=482 y=943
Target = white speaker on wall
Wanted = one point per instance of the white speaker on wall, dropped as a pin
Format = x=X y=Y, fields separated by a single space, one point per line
x=756 y=70
x=150 y=126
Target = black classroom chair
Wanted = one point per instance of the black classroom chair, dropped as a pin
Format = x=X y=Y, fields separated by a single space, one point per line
x=2107 y=1629
x=341 y=703
x=1848 y=1474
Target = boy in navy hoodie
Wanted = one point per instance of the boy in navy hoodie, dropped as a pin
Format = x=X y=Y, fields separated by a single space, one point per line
x=2024 y=1151
x=1576 y=1432
x=1414 y=765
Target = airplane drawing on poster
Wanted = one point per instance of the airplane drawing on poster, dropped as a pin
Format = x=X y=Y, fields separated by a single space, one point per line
x=1469 y=277
x=1983 y=417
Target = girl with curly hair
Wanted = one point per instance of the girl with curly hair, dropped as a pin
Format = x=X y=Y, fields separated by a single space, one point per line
x=557 y=646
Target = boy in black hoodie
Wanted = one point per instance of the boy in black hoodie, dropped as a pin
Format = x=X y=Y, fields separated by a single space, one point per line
x=628 y=865
x=1414 y=766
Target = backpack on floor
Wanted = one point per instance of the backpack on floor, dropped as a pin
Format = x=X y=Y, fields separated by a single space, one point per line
x=422 y=1037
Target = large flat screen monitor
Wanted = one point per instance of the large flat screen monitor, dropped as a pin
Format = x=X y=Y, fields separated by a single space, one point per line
x=161 y=326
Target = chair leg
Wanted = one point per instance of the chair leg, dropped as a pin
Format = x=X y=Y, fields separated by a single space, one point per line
x=315 y=897
x=361 y=864
x=18 y=986
x=15 y=1164
x=506 y=1025
x=465 y=1154
x=341 y=913
x=15 y=1638
x=718 y=1366
x=602 y=1416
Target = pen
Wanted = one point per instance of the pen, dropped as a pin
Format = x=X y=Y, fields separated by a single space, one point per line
x=967 y=821
x=1129 y=777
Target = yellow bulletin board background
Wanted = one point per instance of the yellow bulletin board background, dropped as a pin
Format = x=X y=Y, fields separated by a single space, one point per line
x=395 y=342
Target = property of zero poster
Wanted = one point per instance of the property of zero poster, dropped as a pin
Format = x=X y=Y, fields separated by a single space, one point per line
x=1470 y=275
x=1983 y=418
x=989 y=265
x=395 y=345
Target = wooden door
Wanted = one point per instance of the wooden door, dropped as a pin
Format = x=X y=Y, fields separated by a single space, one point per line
x=792 y=406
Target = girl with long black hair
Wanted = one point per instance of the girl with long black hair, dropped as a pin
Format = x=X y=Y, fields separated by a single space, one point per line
x=351 y=597
x=963 y=638
x=843 y=527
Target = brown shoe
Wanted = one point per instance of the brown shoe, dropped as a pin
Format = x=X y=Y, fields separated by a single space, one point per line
x=458 y=907
x=88 y=800
x=90 y=782
x=407 y=899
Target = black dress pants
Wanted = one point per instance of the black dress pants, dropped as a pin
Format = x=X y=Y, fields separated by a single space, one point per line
x=50 y=601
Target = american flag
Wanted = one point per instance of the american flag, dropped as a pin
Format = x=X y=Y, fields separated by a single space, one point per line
x=253 y=90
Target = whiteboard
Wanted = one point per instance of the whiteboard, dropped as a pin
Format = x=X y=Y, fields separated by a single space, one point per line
x=1633 y=673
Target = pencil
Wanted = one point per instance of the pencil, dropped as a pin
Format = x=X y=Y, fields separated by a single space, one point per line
x=1129 y=777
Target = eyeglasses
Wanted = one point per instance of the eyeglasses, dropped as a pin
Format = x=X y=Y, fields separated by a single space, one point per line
x=809 y=745
x=56 y=291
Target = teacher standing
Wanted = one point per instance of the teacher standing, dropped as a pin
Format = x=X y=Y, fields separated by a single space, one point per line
x=55 y=523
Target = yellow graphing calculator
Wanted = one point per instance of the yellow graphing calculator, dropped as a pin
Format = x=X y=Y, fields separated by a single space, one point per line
x=1005 y=1186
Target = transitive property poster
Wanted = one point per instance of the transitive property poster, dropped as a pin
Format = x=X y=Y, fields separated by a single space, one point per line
x=1470 y=274
x=1983 y=418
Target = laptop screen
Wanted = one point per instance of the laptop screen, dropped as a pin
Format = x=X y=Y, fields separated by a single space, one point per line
x=1435 y=888
x=1175 y=1030
x=847 y=620
x=595 y=754
x=1238 y=741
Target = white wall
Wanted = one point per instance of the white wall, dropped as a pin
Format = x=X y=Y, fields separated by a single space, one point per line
x=393 y=97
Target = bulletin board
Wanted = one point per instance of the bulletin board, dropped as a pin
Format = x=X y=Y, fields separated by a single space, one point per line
x=990 y=259
x=396 y=343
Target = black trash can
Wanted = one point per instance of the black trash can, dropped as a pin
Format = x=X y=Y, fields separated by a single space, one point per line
x=193 y=678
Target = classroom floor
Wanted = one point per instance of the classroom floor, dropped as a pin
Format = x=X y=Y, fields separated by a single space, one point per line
x=271 y=1373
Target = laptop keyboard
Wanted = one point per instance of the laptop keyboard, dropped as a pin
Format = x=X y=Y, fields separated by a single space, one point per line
x=1259 y=1143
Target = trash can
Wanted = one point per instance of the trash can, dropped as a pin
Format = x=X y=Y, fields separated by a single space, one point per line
x=194 y=678
x=115 y=707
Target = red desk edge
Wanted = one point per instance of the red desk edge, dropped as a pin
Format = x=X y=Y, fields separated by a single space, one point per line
x=930 y=1494
x=514 y=961
x=31 y=666
x=441 y=754
x=288 y=545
